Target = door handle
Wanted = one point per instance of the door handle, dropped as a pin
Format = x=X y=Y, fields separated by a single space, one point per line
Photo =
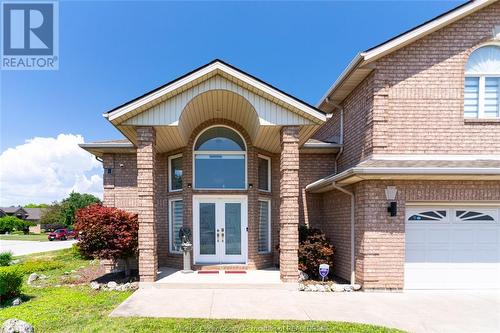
x=222 y=237
x=217 y=235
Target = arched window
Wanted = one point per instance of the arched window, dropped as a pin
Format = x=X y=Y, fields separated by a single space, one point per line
x=219 y=159
x=482 y=83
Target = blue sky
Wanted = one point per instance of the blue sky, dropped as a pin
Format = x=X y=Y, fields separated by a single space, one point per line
x=111 y=52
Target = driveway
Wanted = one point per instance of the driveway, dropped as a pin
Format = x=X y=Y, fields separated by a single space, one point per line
x=410 y=311
x=19 y=248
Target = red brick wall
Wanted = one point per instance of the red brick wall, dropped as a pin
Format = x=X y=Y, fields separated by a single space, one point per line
x=424 y=83
x=380 y=239
x=311 y=168
x=120 y=186
x=358 y=126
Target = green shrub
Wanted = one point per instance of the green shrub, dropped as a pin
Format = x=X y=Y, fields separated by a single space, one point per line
x=38 y=265
x=76 y=253
x=314 y=249
x=11 y=279
x=5 y=258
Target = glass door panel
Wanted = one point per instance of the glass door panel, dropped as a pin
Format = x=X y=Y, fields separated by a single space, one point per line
x=232 y=228
x=207 y=229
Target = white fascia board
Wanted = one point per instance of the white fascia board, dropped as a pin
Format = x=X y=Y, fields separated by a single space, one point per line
x=343 y=76
x=372 y=55
x=204 y=71
x=321 y=145
x=107 y=145
x=427 y=157
x=425 y=29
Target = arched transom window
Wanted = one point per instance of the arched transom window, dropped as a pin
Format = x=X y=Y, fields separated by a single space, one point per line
x=219 y=159
x=482 y=83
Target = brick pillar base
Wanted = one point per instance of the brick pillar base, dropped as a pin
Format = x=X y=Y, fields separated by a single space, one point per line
x=146 y=156
x=289 y=204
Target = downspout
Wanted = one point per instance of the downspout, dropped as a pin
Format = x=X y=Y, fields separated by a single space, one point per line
x=353 y=248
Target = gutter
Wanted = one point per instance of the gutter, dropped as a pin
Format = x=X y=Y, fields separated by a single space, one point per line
x=353 y=238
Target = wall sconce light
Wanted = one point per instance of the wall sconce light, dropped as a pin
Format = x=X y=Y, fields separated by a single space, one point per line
x=121 y=165
x=189 y=185
x=250 y=186
x=390 y=195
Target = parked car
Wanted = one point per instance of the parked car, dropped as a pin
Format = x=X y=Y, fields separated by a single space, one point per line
x=61 y=234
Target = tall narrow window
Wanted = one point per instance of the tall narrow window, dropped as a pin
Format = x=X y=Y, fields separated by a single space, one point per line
x=264 y=171
x=176 y=213
x=264 y=241
x=482 y=83
x=175 y=173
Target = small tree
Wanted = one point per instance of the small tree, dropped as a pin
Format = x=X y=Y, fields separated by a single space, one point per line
x=107 y=233
x=52 y=217
x=74 y=202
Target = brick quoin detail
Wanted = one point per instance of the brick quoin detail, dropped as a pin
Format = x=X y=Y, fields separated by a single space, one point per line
x=289 y=203
x=146 y=158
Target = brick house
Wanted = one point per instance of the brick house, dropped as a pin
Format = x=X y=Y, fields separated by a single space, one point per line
x=399 y=163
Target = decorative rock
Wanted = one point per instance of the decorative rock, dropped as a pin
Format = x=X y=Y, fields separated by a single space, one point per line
x=43 y=276
x=301 y=287
x=320 y=288
x=356 y=286
x=32 y=278
x=348 y=288
x=112 y=285
x=95 y=285
x=337 y=288
x=312 y=287
x=134 y=285
x=16 y=326
x=16 y=301
x=303 y=276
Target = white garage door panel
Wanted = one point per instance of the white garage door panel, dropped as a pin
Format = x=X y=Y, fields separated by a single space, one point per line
x=452 y=248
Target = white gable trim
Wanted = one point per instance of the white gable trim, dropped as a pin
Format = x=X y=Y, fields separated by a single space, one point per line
x=390 y=46
x=205 y=71
x=425 y=29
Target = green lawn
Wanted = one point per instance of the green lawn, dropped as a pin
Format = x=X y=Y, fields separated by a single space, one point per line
x=20 y=236
x=80 y=309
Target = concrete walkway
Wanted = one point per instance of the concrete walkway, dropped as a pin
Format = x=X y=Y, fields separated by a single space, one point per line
x=410 y=311
x=19 y=248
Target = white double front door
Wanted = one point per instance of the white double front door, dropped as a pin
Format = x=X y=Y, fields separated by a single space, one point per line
x=220 y=229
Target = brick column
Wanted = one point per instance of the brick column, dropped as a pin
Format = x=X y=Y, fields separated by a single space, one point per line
x=146 y=155
x=289 y=203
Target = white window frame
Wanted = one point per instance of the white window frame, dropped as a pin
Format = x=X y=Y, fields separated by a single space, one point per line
x=170 y=158
x=220 y=152
x=269 y=177
x=171 y=226
x=482 y=86
x=269 y=207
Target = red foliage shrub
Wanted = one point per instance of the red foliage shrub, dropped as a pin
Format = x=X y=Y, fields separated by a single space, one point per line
x=106 y=233
x=314 y=249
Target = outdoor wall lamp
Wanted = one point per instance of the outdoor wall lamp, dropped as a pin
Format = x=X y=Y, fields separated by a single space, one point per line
x=189 y=185
x=250 y=186
x=390 y=195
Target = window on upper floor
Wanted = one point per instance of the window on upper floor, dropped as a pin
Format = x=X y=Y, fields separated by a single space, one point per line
x=482 y=83
x=175 y=173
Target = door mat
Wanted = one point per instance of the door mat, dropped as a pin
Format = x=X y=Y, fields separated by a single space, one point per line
x=212 y=271
x=235 y=272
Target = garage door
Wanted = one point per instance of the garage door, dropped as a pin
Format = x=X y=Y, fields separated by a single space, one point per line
x=452 y=247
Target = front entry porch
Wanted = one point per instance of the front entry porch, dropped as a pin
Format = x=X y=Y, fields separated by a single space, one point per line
x=229 y=278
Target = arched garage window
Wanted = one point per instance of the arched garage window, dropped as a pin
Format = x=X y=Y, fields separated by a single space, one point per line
x=482 y=83
x=220 y=159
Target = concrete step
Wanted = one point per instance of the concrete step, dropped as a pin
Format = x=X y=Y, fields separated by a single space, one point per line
x=216 y=285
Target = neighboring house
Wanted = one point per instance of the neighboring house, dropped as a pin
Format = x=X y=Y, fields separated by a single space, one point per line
x=28 y=214
x=34 y=215
x=399 y=163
